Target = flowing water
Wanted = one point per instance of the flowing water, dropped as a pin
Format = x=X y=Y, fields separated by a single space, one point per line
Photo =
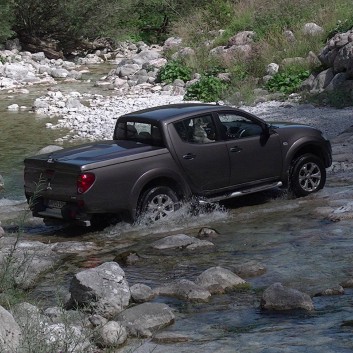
x=297 y=247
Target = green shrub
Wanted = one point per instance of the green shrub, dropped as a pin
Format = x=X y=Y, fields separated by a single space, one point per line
x=207 y=89
x=174 y=70
x=287 y=82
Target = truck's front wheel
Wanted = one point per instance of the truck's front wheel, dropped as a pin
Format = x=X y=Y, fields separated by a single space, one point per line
x=308 y=175
x=158 y=202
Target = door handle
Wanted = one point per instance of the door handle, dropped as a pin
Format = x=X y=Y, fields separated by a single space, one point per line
x=235 y=149
x=189 y=156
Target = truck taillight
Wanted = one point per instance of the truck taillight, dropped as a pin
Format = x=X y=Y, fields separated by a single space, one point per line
x=84 y=182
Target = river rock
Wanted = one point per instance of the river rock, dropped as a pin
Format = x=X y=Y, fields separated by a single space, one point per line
x=348 y=283
x=338 y=290
x=206 y=232
x=144 y=319
x=104 y=288
x=170 y=338
x=66 y=337
x=111 y=334
x=141 y=293
x=218 y=280
x=181 y=241
x=280 y=298
x=31 y=259
x=73 y=247
x=249 y=269
x=185 y=290
x=10 y=332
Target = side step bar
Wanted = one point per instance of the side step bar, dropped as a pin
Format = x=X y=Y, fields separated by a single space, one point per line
x=240 y=193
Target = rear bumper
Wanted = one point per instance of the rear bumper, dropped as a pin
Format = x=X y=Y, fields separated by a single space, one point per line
x=65 y=211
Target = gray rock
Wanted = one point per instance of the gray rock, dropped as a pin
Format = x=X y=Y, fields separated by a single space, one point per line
x=59 y=73
x=179 y=241
x=172 y=42
x=312 y=29
x=104 y=288
x=338 y=290
x=10 y=332
x=185 y=290
x=144 y=319
x=242 y=38
x=31 y=259
x=73 y=247
x=218 y=279
x=49 y=149
x=170 y=337
x=129 y=70
x=280 y=298
x=111 y=334
x=16 y=71
x=206 y=232
x=145 y=56
x=249 y=269
x=40 y=56
x=141 y=293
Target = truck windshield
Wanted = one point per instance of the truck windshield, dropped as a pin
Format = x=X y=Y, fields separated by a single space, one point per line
x=140 y=132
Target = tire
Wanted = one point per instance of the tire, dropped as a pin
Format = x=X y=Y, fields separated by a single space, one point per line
x=308 y=175
x=158 y=202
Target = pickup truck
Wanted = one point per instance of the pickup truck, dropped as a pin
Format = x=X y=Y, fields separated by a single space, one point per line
x=163 y=156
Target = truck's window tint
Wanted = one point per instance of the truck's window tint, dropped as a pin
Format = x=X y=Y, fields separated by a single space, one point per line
x=141 y=132
x=238 y=126
x=196 y=130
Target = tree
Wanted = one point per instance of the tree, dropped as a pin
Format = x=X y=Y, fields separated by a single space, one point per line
x=7 y=19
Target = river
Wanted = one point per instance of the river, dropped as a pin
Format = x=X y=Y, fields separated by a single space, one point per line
x=298 y=247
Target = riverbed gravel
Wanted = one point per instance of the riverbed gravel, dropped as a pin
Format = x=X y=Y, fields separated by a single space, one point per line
x=93 y=116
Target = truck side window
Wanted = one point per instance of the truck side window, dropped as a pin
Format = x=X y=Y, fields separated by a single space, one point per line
x=196 y=130
x=238 y=126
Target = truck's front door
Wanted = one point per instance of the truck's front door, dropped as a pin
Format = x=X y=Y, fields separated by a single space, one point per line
x=203 y=158
x=254 y=156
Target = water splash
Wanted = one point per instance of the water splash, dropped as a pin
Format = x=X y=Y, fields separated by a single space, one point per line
x=189 y=215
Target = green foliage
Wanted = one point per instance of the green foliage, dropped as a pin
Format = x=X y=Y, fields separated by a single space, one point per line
x=287 y=82
x=207 y=89
x=174 y=70
x=7 y=19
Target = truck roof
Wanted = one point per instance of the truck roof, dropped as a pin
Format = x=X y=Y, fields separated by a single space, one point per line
x=173 y=111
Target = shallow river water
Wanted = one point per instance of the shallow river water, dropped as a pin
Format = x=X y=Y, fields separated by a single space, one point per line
x=297 y=246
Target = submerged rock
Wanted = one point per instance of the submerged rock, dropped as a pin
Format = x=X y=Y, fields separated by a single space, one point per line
x=144 y=319
x=280 y=298
x=186 y=290
x=218 y=280
x=181 y=241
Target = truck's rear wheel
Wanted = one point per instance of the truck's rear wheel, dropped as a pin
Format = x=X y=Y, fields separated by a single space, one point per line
x=158 y=202
x=308 y=175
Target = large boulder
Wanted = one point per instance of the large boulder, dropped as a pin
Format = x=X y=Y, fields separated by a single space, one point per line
x=103 y=288
x=280 y=298
x=144 y=319
x=10 y=332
